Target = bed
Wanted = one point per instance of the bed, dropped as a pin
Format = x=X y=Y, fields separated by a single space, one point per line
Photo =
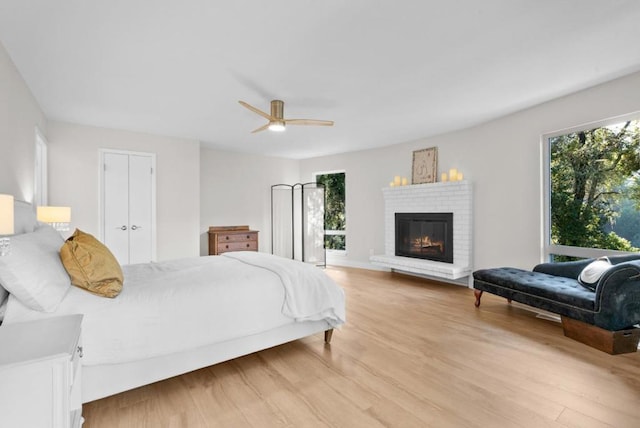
x=171 y=317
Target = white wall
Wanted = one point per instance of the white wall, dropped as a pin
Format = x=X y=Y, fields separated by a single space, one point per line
x=503 y=160
x=19 y=115
x=235 y=189
x=74 y=181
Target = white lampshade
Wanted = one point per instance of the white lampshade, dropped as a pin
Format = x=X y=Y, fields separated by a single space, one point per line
x=54 y=214
x=6 y=215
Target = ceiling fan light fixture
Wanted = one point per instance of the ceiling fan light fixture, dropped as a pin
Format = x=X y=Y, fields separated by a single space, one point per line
x=276 y=125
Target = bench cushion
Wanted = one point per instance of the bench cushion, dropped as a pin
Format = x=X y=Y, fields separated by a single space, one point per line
x=531 y=287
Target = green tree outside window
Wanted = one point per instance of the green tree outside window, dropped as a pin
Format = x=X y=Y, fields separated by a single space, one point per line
x=595 y=187
x=334 y=210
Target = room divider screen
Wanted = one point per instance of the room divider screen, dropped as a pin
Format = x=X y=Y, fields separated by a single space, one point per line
x=297 y=222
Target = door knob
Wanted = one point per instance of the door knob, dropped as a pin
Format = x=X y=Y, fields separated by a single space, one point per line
x=134 y=227
x=122 y=227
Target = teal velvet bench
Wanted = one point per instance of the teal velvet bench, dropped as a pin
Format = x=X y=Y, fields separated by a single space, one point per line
x=604 y=315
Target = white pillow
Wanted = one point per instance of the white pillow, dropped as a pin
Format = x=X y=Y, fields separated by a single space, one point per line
x=33 y=272
x=592 y=273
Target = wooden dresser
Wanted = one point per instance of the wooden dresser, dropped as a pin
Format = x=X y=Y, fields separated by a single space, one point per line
x=223 y=239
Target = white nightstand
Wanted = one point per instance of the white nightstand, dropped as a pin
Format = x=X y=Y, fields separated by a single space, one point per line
x=40 y=373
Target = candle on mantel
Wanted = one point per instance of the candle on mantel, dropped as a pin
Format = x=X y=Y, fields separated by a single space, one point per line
x=397 y=180
x=391 y=184
x=443 y=177
x=405 y=181
x=453 y=174
x=460 y=176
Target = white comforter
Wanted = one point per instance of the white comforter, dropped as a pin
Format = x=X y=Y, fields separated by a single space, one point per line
x=184 y=304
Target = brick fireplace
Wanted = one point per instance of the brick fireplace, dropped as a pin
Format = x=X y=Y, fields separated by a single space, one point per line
x=455 y=198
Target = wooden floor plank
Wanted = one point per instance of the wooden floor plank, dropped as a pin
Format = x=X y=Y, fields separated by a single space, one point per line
x=414 y=353
x=573 y=419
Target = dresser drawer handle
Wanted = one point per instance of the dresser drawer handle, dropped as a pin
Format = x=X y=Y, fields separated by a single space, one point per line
x=226 y=237
x=248 y=236
x=226 y=246
x=80 y=351
x=248 y=245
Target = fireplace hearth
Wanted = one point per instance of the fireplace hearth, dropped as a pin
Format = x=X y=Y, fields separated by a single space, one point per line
x=427 y=236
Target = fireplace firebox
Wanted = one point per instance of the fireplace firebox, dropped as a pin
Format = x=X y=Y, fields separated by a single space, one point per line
x=426 y=236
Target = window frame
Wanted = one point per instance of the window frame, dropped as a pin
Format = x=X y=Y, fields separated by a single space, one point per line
x=549 y=249
x=41 y=167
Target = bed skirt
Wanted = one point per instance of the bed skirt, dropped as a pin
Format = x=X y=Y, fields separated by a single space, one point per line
x=108 y=379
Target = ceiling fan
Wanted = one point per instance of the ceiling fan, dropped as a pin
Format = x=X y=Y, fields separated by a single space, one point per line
x=276 y=119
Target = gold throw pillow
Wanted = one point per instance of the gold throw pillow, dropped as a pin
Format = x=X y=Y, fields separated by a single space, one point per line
x=91 y=265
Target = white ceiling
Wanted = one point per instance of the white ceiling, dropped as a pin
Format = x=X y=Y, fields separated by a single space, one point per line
x=385 y=71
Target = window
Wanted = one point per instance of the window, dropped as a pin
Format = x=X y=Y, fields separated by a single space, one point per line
x=334 y=210
x=592 y=182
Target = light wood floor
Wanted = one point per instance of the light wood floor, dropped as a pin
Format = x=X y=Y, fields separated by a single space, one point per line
x=413 y=354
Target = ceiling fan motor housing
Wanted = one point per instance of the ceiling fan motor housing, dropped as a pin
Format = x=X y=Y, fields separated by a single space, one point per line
x=277 y=109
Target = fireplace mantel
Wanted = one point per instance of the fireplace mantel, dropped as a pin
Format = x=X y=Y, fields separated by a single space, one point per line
x=455 y=197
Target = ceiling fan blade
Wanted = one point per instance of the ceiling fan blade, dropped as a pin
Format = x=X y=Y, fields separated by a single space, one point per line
x=262 y=128
x=255 y=110
x=309 y=122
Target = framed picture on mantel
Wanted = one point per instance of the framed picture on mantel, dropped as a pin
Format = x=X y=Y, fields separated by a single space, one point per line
x=425 y=166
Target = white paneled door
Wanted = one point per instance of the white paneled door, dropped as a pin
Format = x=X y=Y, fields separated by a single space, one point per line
x=128 y=205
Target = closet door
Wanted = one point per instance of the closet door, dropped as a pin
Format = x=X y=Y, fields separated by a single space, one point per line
x=115 y=205
x=140 y=191
x=128 y=206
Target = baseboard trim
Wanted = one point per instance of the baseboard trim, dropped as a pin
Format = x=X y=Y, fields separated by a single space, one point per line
x=360 y=265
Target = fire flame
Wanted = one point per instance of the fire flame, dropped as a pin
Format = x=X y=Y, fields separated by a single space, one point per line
x=426 y=242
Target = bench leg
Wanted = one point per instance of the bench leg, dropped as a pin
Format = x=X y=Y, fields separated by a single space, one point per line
x=611 y=342
x=478 y=294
